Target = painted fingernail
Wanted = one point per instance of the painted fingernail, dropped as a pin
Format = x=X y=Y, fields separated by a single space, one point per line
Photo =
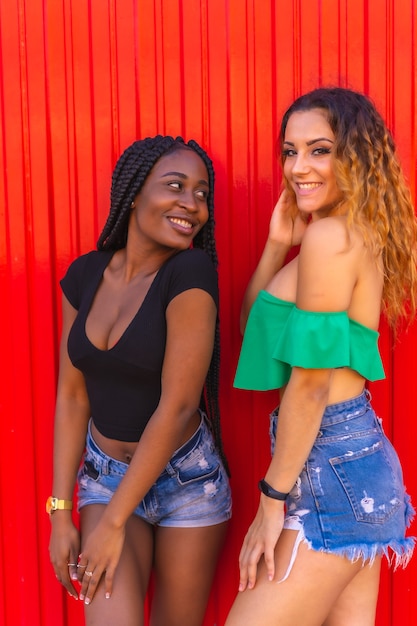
x=87 y=601
x=81 y=596
x=107 y=596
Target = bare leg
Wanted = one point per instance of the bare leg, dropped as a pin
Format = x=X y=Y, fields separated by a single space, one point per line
x=309 y=594
x=126 y=605
x=185 y=562
x=357 y=603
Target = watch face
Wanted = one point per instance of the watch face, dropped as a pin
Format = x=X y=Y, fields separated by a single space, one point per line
x=51 y=504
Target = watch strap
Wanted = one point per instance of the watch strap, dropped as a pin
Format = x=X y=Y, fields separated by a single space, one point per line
x=55 y=504
x=269 y=491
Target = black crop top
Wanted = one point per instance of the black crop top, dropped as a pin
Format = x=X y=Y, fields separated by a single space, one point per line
x=124 y=383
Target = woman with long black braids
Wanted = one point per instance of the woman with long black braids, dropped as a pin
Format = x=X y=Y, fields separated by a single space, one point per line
x=137 y=398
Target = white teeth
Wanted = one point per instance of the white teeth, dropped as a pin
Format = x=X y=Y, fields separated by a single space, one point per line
x=184 y=223
x=308 y=185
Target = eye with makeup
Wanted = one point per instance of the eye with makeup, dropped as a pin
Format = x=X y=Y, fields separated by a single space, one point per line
x=321 y=150
x=318 y=151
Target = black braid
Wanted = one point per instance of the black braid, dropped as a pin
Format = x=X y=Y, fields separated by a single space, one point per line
x=205 y=239
x=129 y=175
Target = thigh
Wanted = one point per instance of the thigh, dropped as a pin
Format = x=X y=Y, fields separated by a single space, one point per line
x=357 y=602
x=185 y=562
x=305 y=597
x=126 y=605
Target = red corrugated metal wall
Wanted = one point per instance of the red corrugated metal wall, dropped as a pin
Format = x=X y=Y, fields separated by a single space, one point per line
x=80 y=80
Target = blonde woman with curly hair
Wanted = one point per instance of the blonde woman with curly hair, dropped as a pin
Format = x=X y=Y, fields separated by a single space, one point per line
x=332 y=502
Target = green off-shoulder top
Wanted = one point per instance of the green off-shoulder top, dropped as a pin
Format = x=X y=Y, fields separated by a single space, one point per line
x=279 y=336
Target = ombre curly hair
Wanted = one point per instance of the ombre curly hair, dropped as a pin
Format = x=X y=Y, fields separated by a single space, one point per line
x=374 y=191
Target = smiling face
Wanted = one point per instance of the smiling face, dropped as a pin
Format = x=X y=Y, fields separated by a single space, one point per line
x=309 y=162
x=171 y=208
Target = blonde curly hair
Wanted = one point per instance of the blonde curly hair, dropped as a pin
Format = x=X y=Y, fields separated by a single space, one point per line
x=374 y=190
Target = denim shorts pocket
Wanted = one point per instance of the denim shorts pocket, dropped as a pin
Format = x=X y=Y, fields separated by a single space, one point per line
x=369 y=482
x=90 y=470
x=87 y=472
x=202 y=463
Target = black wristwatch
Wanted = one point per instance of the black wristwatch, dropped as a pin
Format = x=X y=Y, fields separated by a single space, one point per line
x=270 y=491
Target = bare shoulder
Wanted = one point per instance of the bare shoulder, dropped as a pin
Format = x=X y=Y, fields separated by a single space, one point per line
x=331 y=235
x=337 y=271
x=329 y=265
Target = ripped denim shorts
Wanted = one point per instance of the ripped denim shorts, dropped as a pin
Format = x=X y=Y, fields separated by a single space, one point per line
x=192 y=491
x=350 y=497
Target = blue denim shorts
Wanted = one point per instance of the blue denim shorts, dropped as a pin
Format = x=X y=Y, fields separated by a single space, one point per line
x=350 y=497
x=192 y=491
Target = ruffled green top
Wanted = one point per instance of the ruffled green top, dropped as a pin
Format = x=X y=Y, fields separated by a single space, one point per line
x=280 y=336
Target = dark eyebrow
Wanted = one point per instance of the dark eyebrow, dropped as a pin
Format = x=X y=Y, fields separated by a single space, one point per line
x=184 y=177
x=313 y=141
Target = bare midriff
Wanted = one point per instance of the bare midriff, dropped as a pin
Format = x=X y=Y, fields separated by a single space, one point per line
x=124 y=450
x=345 y=384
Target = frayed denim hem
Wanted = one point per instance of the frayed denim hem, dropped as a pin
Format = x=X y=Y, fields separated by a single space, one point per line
x=398 y=553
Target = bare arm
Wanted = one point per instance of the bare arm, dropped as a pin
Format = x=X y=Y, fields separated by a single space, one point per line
x=286 y=229
x=191 y=319
x=71 y=417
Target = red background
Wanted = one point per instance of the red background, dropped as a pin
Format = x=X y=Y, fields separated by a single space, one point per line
x=80 y=80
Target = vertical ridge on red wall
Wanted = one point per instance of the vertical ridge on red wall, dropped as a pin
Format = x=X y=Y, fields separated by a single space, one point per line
x=79 y=81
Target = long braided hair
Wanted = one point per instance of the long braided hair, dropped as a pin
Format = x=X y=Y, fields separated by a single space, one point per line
x=129 y=175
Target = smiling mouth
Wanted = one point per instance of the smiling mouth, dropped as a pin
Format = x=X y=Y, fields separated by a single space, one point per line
x=306 y=186
x=181 y=222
